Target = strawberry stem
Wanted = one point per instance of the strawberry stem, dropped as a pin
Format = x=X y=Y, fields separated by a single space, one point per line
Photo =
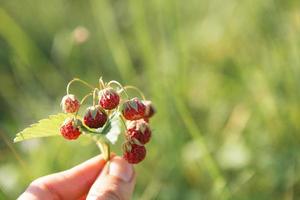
x=85 y=97
x=82 y=101
x=104 y=148
x=101 y=83
x=136 y=89
x=102 y=145
x=123 y=122
x=78 y=80
x=95 y=96
x=120 y=85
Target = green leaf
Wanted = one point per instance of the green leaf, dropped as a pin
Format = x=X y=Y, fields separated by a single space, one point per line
x=111 y=129
x=44 y=128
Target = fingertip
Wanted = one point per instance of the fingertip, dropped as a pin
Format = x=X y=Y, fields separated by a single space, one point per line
x=120 y=168
x=116 y=181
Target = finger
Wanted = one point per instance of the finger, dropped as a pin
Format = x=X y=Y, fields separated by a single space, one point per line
x=116 y=181
x=69 y=184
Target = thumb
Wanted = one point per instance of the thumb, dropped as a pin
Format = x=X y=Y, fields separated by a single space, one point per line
x=116 y=181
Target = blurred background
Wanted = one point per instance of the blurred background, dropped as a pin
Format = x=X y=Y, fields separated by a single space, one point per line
x=224 y=76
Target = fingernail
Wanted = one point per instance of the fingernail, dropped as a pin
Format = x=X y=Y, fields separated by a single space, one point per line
x=120 y=168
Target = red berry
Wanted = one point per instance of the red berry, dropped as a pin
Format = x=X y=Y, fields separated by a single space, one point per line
x=70 y=103
x=150 y=110
x=69 y=129
x=133 y=109
x=109 y=99
x=140 y=131
x=95 y=117
x=134 y=153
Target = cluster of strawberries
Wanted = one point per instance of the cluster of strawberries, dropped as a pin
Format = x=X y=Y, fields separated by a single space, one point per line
x=138 y=133
x=135 y=112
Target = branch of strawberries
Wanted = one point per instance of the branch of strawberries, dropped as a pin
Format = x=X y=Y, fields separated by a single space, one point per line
x=112 y=107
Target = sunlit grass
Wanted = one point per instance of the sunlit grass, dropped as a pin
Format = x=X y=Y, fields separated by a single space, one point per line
x=224 y=76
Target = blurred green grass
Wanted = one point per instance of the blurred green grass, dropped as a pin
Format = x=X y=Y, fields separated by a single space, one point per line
x=224 y=76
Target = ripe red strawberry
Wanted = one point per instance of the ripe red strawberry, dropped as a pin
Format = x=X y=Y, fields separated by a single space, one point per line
x=95 y=117
x=133 y=109
x=109 y=98
x=69 y=130
x=139 y=132
x=70 y=103
x=134 y=153
x=150 y=110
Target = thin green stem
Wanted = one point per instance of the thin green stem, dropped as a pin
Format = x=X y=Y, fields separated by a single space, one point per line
x=120 y=85
x=123 y=122
x=136 y=89
x=78 y=80
x=82 y=101
x=102 y=145
x=95 y=96
x=85 y=97
x=101 y=83
x=104 y=148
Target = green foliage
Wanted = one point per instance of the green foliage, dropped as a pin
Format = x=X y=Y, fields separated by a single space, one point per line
x=223 y=75
x=112 y=122
x=43 y=128
x=51 y=126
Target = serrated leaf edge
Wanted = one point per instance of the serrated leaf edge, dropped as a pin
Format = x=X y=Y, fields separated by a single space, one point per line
x=20 y=136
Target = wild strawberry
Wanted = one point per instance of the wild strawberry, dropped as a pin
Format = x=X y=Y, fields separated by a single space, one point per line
x=95 y=117
x=133 y=109
x=139 y=132
x=134 y=153
x=150 y=110
x=70 y=103
x=108 y=99
x=69 y=129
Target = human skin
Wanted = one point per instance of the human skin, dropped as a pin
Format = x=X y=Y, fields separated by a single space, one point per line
x=94 y=179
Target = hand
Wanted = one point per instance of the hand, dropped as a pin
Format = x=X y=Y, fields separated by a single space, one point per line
x=94 y=180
